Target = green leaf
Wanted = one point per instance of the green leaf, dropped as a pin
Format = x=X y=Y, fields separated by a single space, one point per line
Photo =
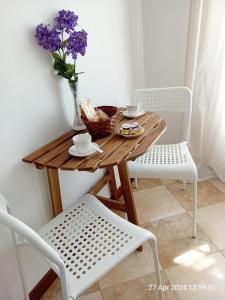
x=59 y=66
x=56 y=56
x=64 y=75
x=79 y=73
x=70 y=70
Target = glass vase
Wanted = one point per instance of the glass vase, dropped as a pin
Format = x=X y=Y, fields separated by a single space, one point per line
x=77 y=123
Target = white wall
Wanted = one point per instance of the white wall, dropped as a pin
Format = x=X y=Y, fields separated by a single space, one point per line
x=36 y=106
x=126 y=50
x=165 y=27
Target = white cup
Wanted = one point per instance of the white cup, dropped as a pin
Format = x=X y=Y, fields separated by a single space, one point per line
x=133 y=109
x=82 y=142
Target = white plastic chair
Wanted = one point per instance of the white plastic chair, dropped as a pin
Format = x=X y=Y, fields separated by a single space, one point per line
x=172 y=161
x=81 y=244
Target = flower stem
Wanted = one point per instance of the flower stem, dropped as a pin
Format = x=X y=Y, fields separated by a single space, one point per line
x=74 y=69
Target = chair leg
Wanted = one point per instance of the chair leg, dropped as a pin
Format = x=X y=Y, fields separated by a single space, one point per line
x=184 y=185
x=64 y=285
x=136 y=183
x=194 y=208
x=20 y=267
x=156 y=264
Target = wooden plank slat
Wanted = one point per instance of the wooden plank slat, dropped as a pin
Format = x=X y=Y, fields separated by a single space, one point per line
x=57 y=162
x=129 y=144
x=36 y=154
x=111 y=145
x=67 y=162
x=53 y=153
x=93 y=163
x=151 y=139
x=74 y=162
x=64 y=157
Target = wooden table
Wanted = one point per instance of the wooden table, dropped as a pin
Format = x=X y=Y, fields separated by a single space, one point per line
x=117 y=151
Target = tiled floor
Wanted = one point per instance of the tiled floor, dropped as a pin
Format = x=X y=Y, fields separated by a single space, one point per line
x=192 y=269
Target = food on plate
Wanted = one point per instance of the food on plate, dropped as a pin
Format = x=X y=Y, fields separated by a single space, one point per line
x=132 y=129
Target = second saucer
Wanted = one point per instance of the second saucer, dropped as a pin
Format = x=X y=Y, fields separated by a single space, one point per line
x=138 y=114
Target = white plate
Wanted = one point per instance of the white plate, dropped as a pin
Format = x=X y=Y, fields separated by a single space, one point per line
x=140 y=113
x=131 y=136
x=73 y=151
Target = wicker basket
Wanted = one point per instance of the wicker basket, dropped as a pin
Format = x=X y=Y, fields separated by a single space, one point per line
x=102 y=128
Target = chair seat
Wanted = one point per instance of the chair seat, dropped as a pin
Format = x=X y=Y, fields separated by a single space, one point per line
x=91 y=240
x=165 y=161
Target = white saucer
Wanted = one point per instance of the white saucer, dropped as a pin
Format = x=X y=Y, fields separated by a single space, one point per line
x=140 y=113
x=73 y=151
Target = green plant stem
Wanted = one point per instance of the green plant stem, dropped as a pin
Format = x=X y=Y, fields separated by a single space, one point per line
x=62 y=43
x=61 y=56
x=74 y=69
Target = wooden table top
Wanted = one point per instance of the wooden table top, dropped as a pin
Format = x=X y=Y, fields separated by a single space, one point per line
x=115 y=147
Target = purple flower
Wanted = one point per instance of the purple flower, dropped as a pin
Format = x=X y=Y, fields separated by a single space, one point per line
x=48 y=38
x=66 y=20
x=77 y=43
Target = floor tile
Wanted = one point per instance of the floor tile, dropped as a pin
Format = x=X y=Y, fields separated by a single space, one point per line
x=141 y=288
x=212 y=221
x=91 y=296
x=167 y=180
x=55 y=293
x=139 y=263
x=155 y=203
x=208 y=273
x=208 y=194
x=218 y=184
x=161 y=208
x=175 y=243
x=144 y=183
x=94 y=288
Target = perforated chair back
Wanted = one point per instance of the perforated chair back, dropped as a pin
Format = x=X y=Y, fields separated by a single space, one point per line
x=171 y=99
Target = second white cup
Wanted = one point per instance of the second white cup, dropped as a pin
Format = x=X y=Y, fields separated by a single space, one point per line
x=82 y=142
x=133 y=109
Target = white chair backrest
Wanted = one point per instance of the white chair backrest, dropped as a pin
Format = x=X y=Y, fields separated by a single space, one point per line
x=171 y=99
x=27 y=233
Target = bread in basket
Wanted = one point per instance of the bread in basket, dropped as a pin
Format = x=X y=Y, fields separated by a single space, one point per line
x=103 y=121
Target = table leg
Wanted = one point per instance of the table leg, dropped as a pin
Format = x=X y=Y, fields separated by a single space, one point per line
x=112 y=184
x=127 y=192
x=55 y=193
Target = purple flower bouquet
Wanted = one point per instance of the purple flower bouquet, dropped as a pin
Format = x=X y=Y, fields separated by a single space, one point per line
x=62 y=41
